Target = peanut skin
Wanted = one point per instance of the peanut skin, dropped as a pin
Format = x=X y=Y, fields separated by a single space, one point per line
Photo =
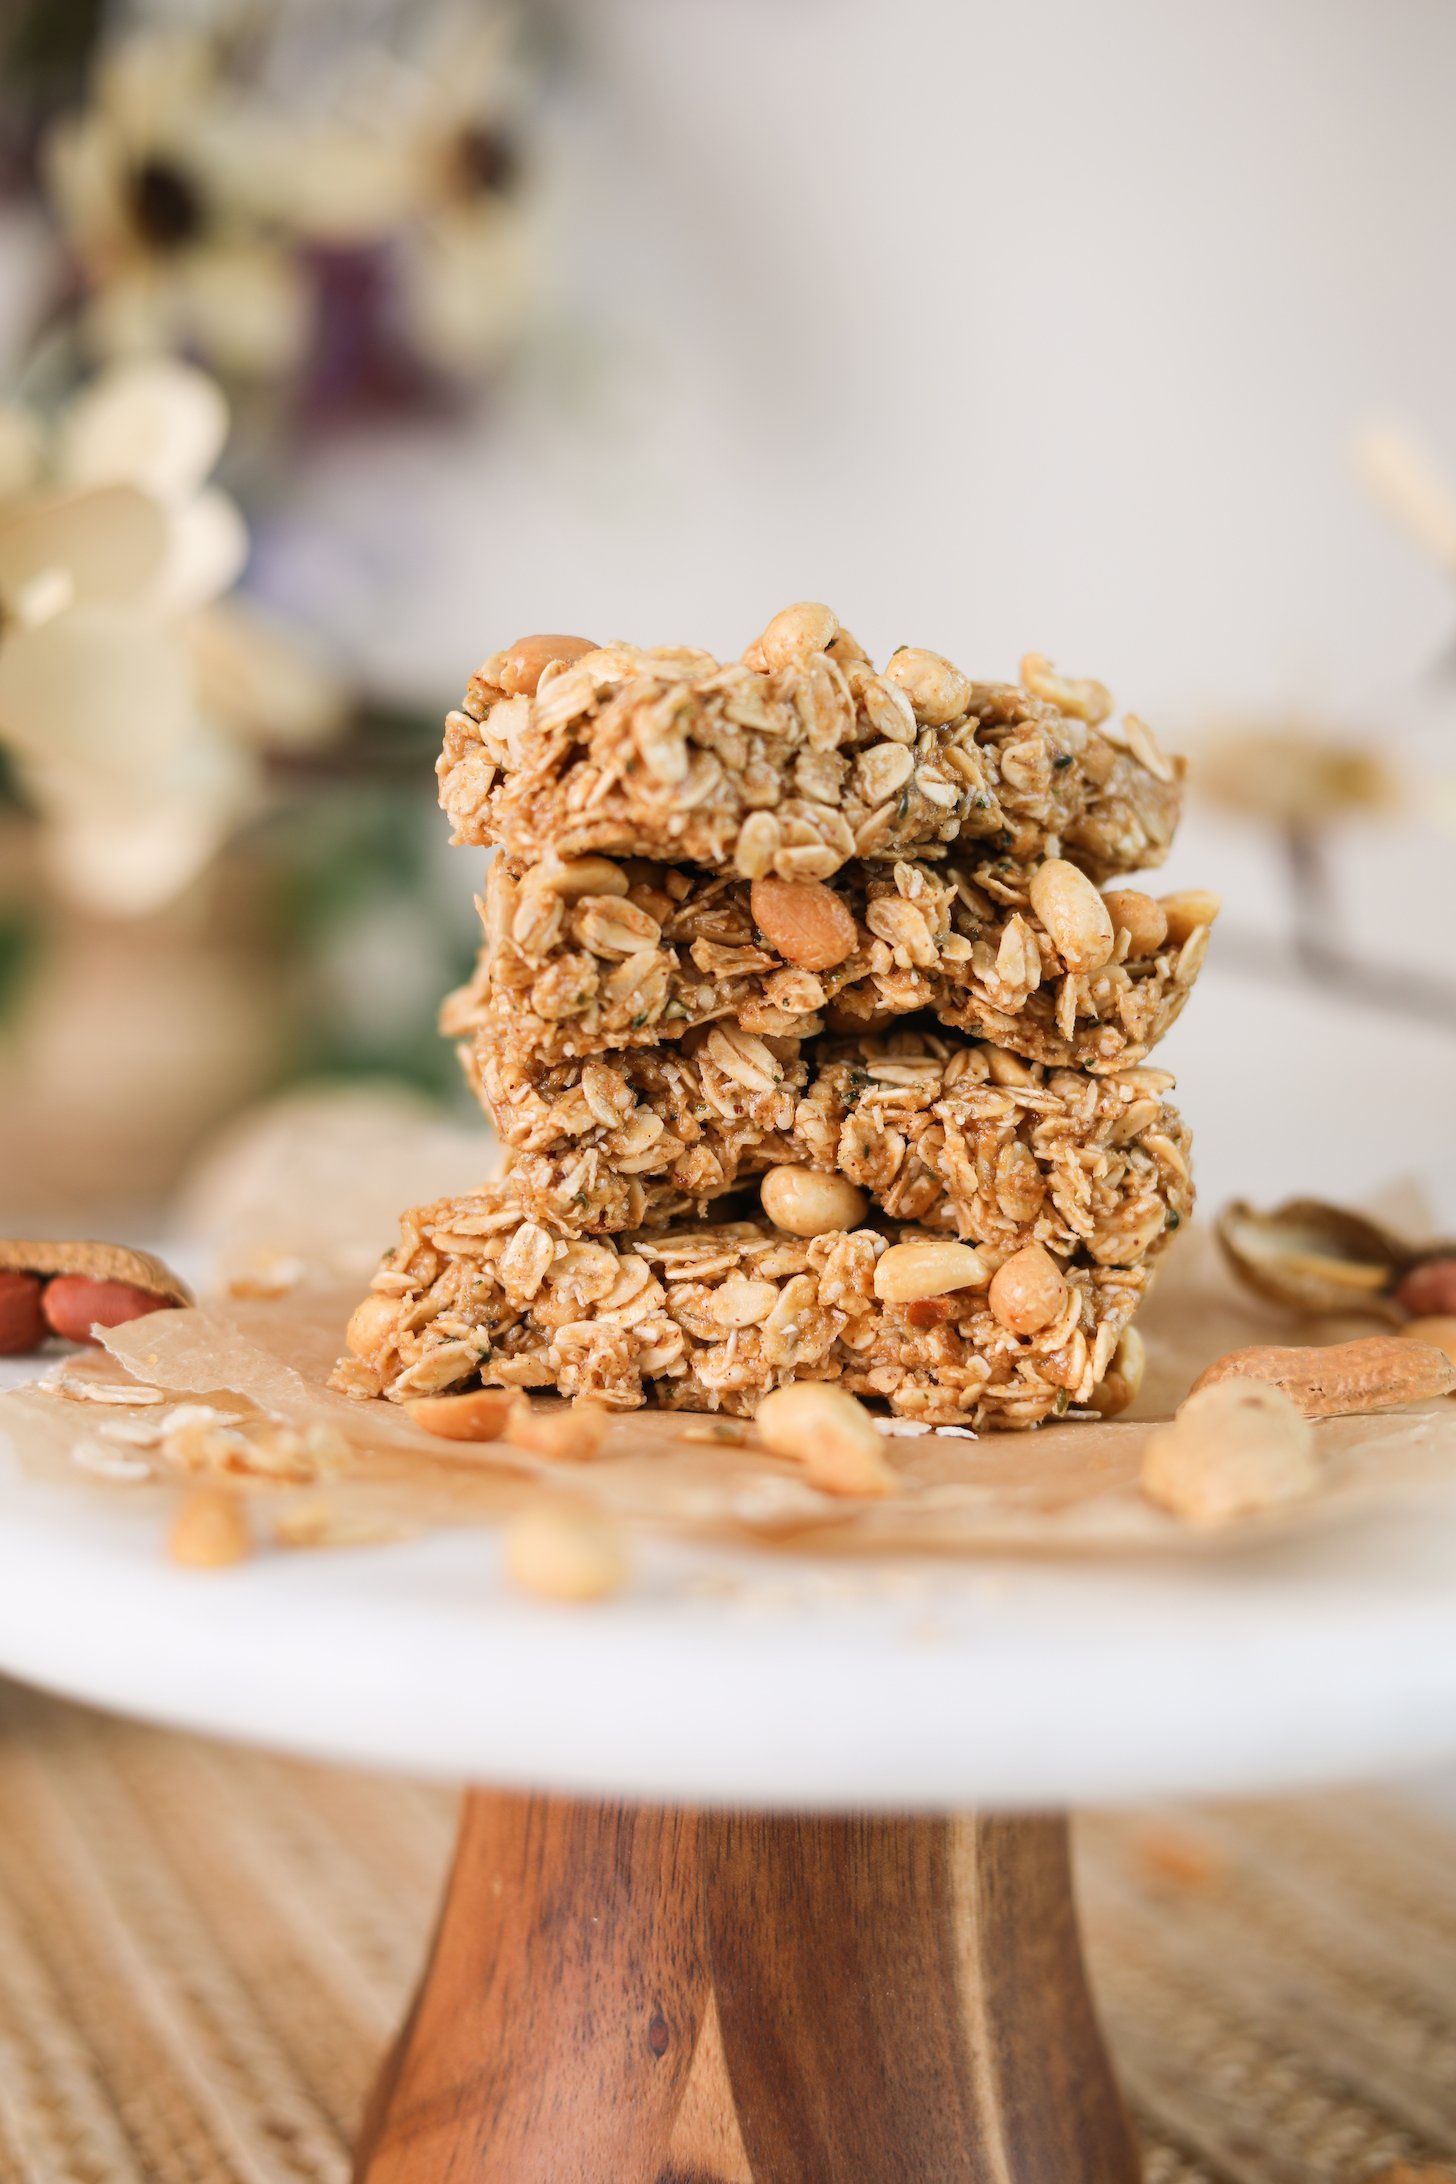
x=22 y=1322
x=1429 y=1291
x=1376 y=1373
x=74 y=1304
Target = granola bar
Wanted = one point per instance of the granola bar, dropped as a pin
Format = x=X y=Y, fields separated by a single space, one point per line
x=797 y=758
x=963 y=1139
x=651 y=953
x=710 y=1317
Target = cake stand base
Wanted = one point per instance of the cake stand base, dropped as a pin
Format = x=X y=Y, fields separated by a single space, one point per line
x=640 y=1995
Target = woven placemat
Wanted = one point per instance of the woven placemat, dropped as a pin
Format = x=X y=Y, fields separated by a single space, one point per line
x=204 y=1950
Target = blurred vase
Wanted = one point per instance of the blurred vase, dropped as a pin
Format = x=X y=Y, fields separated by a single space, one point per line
x=124 y=1044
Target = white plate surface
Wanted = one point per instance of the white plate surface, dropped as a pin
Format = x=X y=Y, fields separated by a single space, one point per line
x=735 y=1677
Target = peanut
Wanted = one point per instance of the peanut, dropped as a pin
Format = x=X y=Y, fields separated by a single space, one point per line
x=22 y=1321
x=929 y=1266
x=1235 y=1446
x=1004 y=1067
x=209 y=1531
x=479 y=1415
x=937 y=691
x=1144 y=921
x=803 y=921
x=1429 y=1290
x=794 y=633
x=573 y=877
x=568 y=1433
x=1085 y=700
x=742 y=1302
x=1027 y=1290
x=73 y=1305
x=1074 y=914
x=517 y=670
x=1186 y=911
x=831 y=1434
x=807 y=1202
x=1124 y=1377
x=564 y=1551
x=1439 y=1331
x=1376 y=1373
x=372 y=1325
x=65 y=1288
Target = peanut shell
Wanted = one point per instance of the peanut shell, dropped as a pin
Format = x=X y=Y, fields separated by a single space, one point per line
x=1378 y=1372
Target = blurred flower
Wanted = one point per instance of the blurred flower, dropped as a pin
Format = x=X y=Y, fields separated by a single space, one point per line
x=134 y=700
x=422 y=154
x=466 y=266
x=1400 y=476
x=1293 y=777
x=162 y=185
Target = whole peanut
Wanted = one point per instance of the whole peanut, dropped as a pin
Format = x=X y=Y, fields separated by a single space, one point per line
x=74 y=1304
x=1143 y=920
x=807 y=1202
x=1027 y=1290
x=804 y=921
x=1377 y=1372
x=520 y=666
x=22 y=1321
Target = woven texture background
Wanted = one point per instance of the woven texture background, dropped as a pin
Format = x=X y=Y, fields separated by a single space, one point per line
x=203 y=1952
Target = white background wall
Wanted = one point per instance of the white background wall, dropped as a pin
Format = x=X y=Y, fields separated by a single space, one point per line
x=1043 y=325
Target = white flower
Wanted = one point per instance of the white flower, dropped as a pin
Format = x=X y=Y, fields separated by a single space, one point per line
x=421 y=153
x=133 y=698
x=163 y=185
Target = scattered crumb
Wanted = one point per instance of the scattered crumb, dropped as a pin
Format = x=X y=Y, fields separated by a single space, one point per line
x=325 y=1524
x=564 y=1551
x=572 y=1433
x=1176 y=1855
x=137 y=1392
x=271 y=1278
x=101 y=1462
x=210 y=1531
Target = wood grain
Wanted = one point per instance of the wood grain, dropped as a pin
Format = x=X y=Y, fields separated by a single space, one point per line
x=621 y=1996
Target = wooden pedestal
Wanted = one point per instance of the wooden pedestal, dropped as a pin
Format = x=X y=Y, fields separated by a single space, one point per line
x=624 y=1995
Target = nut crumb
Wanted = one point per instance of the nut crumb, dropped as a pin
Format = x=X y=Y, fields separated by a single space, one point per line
x=831 y=1434
x=478 y=1415
x=210 y=1531
x=564 y=1550
x=569 y=1433
x=1234 y=1448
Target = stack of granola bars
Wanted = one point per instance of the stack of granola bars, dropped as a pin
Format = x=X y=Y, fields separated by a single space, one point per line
x=815 y=1021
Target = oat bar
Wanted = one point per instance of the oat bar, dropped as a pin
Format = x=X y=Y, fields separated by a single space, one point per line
x=797 y=758
x=964 y=1139
x=710 y=1317
x=594 y=955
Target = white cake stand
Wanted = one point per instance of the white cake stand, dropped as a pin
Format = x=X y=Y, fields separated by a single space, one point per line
x=712 y=1920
